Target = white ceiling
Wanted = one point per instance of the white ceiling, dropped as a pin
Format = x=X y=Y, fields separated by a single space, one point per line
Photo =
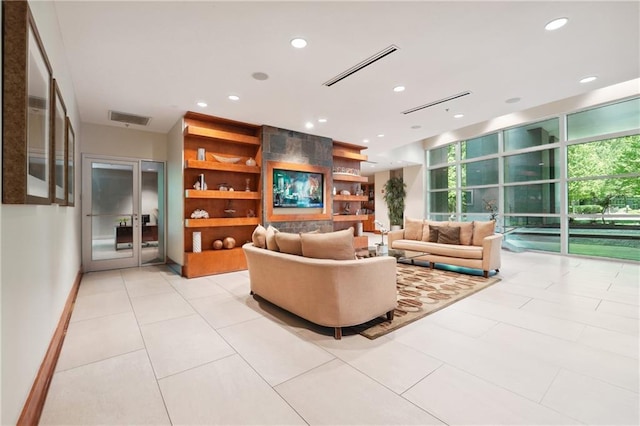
x=158 y=59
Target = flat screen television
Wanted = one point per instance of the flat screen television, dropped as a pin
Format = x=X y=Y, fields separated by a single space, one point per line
x=296 y=189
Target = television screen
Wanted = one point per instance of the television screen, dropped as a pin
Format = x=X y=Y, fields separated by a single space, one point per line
x=296 y=189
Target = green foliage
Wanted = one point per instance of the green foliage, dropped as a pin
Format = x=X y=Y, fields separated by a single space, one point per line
x=587 y=209
x=394 y=195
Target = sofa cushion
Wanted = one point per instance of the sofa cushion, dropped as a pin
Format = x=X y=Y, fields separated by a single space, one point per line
x=426 y=226
x=336 y=245
x=259 y=237
x=413 y=229
x=450 y=250
x=466 y=232
x=271 y=238
x=289 y=243
x=449 y=235
x=433 y=233
x=482 y=230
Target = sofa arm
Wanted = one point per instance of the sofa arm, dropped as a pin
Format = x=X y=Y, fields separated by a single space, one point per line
x=395 y=235
x=491 y=247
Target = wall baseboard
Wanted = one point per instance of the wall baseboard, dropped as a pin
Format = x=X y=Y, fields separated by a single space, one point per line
x=32 y=409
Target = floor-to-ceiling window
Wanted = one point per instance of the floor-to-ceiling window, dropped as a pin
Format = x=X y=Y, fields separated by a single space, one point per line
x=567 y=184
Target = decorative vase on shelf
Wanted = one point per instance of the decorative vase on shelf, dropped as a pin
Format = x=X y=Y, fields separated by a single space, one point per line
x=250 y=162
x=229 y=242
x=197 y=242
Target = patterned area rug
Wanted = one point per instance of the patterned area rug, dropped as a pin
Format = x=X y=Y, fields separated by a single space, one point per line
x=422 y=291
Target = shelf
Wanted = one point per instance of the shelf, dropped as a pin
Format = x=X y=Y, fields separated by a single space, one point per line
x=350 y=217
x=238 y=138
x=220 y=222
x=222 y=195
x=343 y=177
x=225 y=167
x=339 y=197
x=350 y=155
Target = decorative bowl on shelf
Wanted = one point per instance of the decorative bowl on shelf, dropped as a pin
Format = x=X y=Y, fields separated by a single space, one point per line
x=223 y=159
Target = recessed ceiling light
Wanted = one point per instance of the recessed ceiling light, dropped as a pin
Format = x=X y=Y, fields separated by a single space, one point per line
x=299 y=43
x=458 y=116
x=381 y=135
x=234 y=97
x=588 y=79
x=365 y=140
x=556 y=23
x=322 y=120
x=202 y=104
x=512 y=100
x=416 y=126
x=398 y=89
x=308 y=125
x=260 y=76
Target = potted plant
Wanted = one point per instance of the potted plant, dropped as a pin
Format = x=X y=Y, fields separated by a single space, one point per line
x=394 y=195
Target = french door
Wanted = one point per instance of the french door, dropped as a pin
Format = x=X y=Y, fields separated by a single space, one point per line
x=122 y=213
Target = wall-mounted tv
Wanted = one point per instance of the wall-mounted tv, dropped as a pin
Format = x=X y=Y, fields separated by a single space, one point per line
x=297 y=189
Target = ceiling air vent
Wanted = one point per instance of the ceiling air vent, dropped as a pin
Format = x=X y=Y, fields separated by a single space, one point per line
x=127 y=118
x=434 y=103
x=354 y=69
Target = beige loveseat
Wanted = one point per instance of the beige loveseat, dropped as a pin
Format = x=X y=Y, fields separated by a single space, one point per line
x=328 y=292
x=476 y=246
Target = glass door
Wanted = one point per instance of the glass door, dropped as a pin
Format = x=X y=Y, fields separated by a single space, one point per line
x=110 y=214
x=152 y=221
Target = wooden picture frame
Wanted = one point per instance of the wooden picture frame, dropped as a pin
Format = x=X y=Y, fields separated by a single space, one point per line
x=70 y=149
x=26 y=108
x=58 y=157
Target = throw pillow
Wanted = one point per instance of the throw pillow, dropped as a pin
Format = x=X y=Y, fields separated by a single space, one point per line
x=433 y=234
x=412 y=229
x=466 y=232
x=449 y=235
x=427 y=225
x=482 y=230
x=271 y=238
x=336 y=245
x=259 y=237
x=289 y=243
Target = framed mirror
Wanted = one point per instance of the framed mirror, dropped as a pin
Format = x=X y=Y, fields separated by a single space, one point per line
x=58 y=170
x=27 y=108
x=70 y=161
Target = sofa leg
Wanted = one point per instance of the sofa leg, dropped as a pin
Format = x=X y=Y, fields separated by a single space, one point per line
x=251 y=293
x=497 y=270
x=486 y=274
x=337 y=333
x=432 y=265
x=390 y=315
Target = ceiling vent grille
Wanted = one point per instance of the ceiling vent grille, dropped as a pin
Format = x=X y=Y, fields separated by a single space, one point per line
x=434 y=103
x=354 y=69
x=126 y=118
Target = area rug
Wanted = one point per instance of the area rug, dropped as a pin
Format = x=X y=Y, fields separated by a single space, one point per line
x=423 y=291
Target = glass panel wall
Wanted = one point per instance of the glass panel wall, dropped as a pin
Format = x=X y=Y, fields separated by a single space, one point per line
x=527 y=182
x=536 y=134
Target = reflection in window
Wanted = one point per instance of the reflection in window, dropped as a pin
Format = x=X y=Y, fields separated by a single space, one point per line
x=540 y=198
x=478 y=147
x=532 y=233
x=443 y=178
x=444 y=155
x=480 y=200
x=535 y=134
x=618 y=117
x=479 y=173
x=537 y=165
x=443 y=201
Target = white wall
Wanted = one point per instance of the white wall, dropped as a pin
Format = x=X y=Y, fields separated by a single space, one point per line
x=413 y=177
x=40 y=260
x=123 y=142
x=175 y=194
x=382 y=212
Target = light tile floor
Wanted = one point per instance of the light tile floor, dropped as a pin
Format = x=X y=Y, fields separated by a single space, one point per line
x=555 y=342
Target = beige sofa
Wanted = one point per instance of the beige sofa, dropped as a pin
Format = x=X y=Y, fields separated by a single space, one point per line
x=478 y=246
x=328 y=292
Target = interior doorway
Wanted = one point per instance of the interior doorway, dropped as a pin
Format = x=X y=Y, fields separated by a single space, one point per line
x=123 y=213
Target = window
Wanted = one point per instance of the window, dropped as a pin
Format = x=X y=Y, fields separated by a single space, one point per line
x=479 y=147
x=479 y=173
x=535 y=134
x=618 y=117
x=530 y=166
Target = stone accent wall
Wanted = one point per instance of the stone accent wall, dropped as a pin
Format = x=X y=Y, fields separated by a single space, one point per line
x=299 y=148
